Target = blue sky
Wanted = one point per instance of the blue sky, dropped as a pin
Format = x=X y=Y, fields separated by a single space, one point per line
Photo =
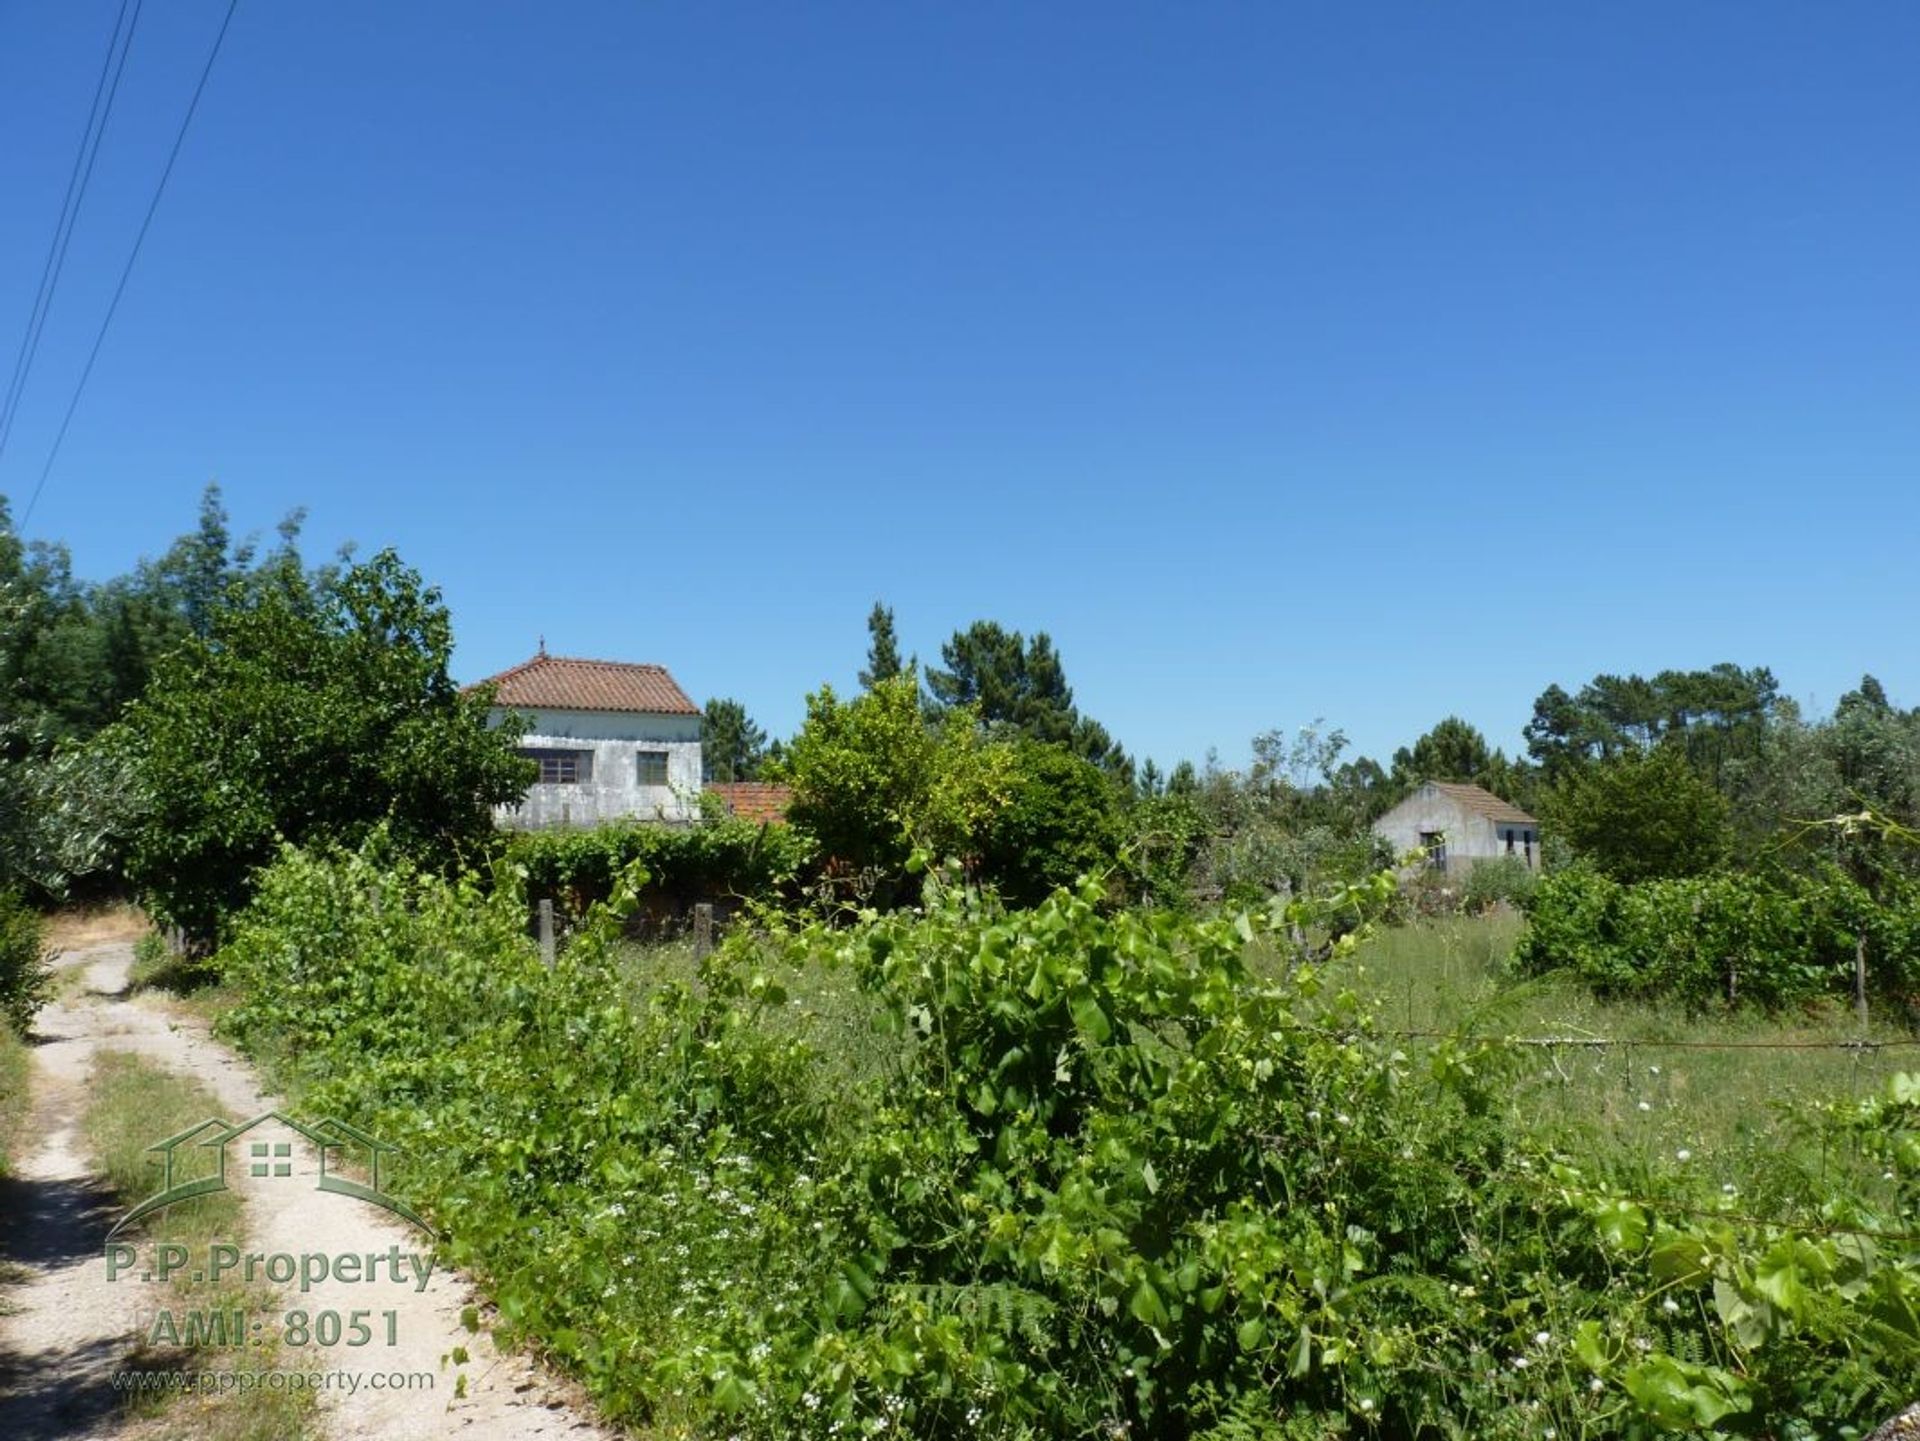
x=1282 y=361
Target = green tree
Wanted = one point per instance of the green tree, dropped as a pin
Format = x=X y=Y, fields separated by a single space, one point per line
x=883 y=649
x=873 y=778
x=1451 y=751
x=732 y=747
x=1016 y=685
x=1715 y=716
x=1642 y=815
x=1061 y=820
x=314 y=710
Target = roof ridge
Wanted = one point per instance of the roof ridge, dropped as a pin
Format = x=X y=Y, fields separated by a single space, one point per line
x=614 y=664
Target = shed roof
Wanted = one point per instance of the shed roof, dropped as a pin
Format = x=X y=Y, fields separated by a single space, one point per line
x=1484 y=802
x=554 y=682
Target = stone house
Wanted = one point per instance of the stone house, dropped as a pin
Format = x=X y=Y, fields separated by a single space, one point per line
x=614 y=741
x=1459 y=825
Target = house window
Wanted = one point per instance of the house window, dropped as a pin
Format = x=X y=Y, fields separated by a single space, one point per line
x=652 y=767
x=562 y=768
x=1434 y=843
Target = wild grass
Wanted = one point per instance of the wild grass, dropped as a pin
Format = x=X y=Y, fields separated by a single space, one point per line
x=822 y=1005
x=79 y=927
x=1715 y=1088
x=133 y=1103
x=16 y=1093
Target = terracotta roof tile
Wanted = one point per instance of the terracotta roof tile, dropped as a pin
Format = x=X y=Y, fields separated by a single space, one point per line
x=554 y=682
x=753 y=800
x=1484 y=802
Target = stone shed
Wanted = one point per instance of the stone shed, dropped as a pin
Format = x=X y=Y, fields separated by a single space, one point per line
x=1458 y=825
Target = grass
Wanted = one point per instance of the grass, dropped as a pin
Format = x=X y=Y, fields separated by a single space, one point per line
x=16 y=1093
x=823 y=1005
x=1715 y=1085
x=131 y=1104
x=189 y=982
x=83 y=926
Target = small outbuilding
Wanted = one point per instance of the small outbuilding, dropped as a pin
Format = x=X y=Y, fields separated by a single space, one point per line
x=1456 y=826
x=614 y=740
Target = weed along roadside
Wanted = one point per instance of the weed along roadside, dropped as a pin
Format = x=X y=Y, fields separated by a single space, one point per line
x=238 y=1271
x=183 y=1321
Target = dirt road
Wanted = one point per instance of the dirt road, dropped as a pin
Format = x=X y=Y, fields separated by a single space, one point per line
x=66 y=1327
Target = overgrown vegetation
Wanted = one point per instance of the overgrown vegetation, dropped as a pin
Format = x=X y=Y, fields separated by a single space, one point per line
x=718 y=860
x=1726 y=938
x=1066 y=1171
x=317 y=709
x=24 y=962
x=16 y=1095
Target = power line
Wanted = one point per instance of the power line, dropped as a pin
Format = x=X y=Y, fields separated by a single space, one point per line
x=106 y=88
x=126 y=273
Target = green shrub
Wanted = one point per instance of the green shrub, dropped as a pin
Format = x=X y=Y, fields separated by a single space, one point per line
x=1721 y=937
x=1061 y=821
x=25 y=973
x=1504 y=880
x=718 y=860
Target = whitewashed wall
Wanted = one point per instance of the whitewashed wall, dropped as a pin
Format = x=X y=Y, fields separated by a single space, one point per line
x=613 y=792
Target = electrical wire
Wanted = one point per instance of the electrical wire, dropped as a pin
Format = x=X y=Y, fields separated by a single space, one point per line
x=126 y=272
x=105 y=89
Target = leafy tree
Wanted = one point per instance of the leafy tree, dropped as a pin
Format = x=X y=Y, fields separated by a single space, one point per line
x=1285 y=825
x=873 y=779
x=1642 y=816
x=732 y=747
x=48 y=659
x=315 y=709
x=1061 y=820
x=883 y=649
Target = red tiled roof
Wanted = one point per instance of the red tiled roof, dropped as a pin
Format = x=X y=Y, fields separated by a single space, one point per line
x=753 y=800
x=554 y=682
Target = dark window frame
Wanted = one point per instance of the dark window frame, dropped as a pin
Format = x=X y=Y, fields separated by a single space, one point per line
x=560 y=767
x=644 y=754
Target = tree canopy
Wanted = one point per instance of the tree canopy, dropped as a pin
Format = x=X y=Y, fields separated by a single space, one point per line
x=883 y=648
x=316 y=708
x=1643 y=815
x=1013 y=684
x=732 y=747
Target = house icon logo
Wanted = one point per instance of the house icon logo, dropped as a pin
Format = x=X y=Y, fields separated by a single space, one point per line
x=255 y=1145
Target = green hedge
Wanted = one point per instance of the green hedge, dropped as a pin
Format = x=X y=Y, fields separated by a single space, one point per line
x=1721 y=937
x=717 y=861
